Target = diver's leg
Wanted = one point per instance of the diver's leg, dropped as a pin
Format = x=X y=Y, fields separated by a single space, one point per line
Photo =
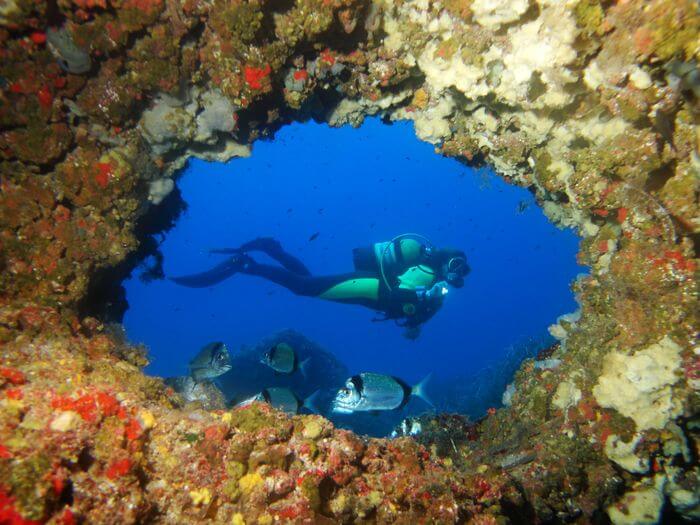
x=355 y=288
x=273 y=248
x=221 y=271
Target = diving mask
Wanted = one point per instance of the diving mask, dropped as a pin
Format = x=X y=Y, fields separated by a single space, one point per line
x=456 y=269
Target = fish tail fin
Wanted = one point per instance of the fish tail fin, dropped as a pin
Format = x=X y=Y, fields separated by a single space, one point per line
x=304 y=367
x=419 y=390
x=310 y=402
x=214 y=276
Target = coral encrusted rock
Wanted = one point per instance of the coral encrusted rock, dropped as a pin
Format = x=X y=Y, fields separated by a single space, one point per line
x=593 y=106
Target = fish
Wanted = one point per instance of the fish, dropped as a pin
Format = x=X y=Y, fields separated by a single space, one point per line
x=522 y=206
x=212 y=361
x=206 y=393
x=370 y=392
x=283 y=359
x=283 y=399
x=314 y=236
x=257 y=398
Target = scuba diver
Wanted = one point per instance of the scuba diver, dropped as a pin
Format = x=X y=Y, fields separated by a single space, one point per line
x=406 y=278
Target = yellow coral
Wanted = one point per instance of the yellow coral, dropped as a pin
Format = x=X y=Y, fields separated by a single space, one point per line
x=147 y=419
x=238 y=519
x=12 y=405
x=117 y=160
x=312 y=429
x=226 y=417
x=420 y=98
x=248 y=482
x=375 y=498
x=201 y=496
x=339 y=504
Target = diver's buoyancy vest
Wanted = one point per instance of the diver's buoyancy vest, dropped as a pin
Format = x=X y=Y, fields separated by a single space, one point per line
x=404 y=260
x=419 y=276
x=395 y=256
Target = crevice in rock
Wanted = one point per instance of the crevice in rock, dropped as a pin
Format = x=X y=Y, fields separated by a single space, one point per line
x=105 y=298
x=659 y=177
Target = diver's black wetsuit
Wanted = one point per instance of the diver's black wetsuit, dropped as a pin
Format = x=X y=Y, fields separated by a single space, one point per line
x=408 y=269
x=297 y=278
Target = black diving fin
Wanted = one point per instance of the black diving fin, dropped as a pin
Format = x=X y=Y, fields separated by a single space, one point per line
x=214 y=276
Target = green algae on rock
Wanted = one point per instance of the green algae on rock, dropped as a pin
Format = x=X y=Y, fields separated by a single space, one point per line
x=575 y=100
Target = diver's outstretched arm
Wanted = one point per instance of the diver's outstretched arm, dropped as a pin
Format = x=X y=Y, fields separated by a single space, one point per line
x=214 y=276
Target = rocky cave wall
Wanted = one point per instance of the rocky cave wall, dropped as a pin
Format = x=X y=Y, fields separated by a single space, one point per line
x=593 y=105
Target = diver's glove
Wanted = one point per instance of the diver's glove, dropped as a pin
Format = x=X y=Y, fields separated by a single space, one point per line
x=435 y=294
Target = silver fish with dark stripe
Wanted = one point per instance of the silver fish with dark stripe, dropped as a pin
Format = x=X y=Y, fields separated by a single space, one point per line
x=283 y=358
x=369 y=392
x=283 y=399
x=211 y=362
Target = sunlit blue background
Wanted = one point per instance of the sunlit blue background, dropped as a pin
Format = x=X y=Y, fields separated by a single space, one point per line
x=355 y=187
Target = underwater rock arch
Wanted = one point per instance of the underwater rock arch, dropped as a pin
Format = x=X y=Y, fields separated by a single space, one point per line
x=593 y=106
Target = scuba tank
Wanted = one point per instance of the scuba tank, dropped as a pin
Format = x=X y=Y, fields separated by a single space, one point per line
x=402 y=261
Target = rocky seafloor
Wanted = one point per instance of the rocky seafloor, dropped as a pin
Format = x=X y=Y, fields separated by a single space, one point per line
x=592 y=105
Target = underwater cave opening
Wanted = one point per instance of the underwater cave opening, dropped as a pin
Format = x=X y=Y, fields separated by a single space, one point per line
x=321 y=192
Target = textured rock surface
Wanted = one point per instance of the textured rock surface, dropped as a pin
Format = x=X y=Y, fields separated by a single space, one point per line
x=592 y=105
x=640 y=386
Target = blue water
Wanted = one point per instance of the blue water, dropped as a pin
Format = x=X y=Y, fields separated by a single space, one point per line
x=355 y=187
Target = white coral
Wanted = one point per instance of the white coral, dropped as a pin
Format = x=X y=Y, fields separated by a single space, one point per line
x=172 y=123
x=639 y=385
x=494 y=13
x=217 y=116
x=159 y=189
x=543 y=46
x=433 y=124
x=441 y=74
x=622 y=453
x=167 y=124
x=641 y=506
x=353 y=112
x=567 y=395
